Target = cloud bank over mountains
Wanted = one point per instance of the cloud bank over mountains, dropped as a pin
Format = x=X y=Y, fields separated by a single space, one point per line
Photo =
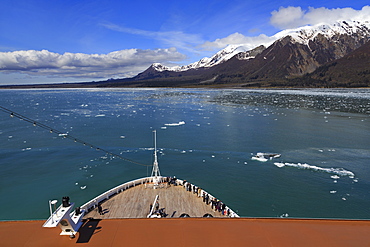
x=129 y=62
x=122 y=63
x=293 y=17
x=236 y=39
x=289 y=18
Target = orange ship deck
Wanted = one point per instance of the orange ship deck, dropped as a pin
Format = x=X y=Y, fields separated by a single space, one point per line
x=193 y=232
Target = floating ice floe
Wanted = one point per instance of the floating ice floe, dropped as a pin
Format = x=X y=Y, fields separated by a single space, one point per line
x=284 y=215
x=337 y=171
x=279 y=164
x=263 y=157
x=175 y=124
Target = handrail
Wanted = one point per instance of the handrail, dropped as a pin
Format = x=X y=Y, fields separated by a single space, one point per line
x=232 y=213
x=93 y=203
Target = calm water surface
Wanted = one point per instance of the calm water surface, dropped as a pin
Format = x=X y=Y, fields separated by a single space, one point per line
x=204 y=136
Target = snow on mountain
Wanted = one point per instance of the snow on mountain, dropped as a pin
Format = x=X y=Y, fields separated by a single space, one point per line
x=301 y=35
x=304 y=34
x=219 y=57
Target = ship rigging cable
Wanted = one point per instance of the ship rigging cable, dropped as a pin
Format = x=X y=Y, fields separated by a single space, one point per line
x=64 y=135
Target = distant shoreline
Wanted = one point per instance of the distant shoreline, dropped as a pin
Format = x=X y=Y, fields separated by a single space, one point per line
x=213 y=86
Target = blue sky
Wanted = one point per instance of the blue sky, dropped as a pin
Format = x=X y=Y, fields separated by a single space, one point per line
x=67 y=41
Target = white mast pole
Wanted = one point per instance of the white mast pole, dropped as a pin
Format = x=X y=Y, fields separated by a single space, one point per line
x=155 y=151
x=155 y=171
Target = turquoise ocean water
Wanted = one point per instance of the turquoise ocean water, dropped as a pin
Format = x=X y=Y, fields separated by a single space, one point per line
x=204 y=136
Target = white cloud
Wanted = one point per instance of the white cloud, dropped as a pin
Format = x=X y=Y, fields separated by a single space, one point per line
x=124 y=63
x=286 y=17
x=293 y=17
x=177 y=39
x=290 y=17
x=236 y=39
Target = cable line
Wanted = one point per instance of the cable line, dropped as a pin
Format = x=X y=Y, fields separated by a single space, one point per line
x=64 y=135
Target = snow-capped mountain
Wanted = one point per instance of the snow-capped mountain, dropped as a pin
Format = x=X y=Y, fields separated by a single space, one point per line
x=220 y=57
x=288 y=54
x=308 y=33
x=302 y=35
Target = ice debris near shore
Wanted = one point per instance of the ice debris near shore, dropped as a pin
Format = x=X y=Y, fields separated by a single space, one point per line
x=176 y=124
x=337 y=171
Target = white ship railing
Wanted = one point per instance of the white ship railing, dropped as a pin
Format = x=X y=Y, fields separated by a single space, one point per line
x=232 y=214
x=93 y=203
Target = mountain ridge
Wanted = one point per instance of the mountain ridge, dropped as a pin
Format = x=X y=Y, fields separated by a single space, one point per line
x=301 y=35
x=295 y=53
x=336 y=55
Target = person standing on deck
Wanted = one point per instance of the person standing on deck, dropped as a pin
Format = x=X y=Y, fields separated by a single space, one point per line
x=223 y=206
x=219 y=204
x=100 y=209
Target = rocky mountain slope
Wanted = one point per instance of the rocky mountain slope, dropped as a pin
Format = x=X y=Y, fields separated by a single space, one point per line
x=352 y=70
x=296 y=52
x=336 y=55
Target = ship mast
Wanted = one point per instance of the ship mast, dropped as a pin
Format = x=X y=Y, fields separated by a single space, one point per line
x=155 y=171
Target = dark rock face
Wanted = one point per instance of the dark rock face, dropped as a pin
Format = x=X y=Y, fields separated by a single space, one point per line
x=287 y=58
x=293 y=56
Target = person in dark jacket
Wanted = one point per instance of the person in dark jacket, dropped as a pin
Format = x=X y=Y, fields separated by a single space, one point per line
x=100 y=209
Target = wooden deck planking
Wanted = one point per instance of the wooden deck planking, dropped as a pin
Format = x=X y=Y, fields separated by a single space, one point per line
x=135 y=203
